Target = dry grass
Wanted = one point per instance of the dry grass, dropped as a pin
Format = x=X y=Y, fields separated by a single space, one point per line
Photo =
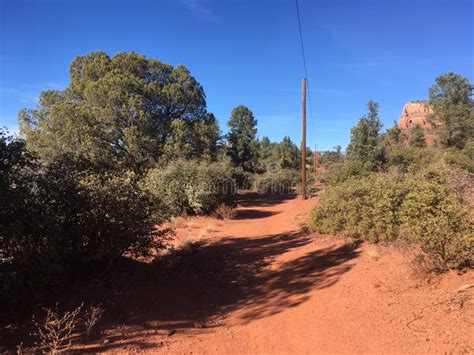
x=424 y=267
x=177 y=222
x=373 y=253
x=225 y=211
x=57 y=330
x=92 y=317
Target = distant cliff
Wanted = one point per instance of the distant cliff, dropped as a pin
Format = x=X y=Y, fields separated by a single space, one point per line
x=415 y=113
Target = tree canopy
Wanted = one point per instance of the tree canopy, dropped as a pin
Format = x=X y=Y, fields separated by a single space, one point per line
x=242 y=139
x=363 y=146
x=121 y=111
x=285 y=153
x=453 y=116
x=417 y=137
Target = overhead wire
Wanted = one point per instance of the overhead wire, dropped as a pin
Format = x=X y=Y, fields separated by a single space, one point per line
x=305 y=68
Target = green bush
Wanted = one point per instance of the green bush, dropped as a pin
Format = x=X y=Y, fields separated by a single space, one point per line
x=364 y=208
x=439 y=223
x=424 y=204
x=282 y=181
x=463 y=159
x=190 y=187
x=341 y=171
x=409 y=159
x=243 y=180
x=55 y=218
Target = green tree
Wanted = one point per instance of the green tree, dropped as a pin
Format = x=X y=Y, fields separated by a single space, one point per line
x=329 y=157
x=417 y=137
x=188 y=140
x=119 y=112
x=394 y=135
x=453 y=116
x=243 y=147
x=363 y=147
x=266 y=148
x=285 y=153
x=289 y=153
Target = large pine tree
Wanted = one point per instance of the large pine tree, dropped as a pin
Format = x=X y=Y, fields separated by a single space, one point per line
x=242 y=142
x=363 y=147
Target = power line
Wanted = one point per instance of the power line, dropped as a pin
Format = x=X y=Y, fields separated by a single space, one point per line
x=305 y=69
x=301 y=39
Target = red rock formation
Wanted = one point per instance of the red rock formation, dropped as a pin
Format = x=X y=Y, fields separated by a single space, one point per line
x=414 y=113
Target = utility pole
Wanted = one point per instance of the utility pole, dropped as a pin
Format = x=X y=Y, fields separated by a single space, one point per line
x=303 y=143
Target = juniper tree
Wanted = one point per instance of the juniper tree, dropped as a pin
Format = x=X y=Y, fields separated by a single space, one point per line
x=453 y=116
x=242 y=139
x=363 y=147
x=119 y=111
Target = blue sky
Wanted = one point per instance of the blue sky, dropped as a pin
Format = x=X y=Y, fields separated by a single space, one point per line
x=248 y=52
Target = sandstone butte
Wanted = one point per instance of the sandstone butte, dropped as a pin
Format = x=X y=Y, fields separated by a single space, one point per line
x=416 y=113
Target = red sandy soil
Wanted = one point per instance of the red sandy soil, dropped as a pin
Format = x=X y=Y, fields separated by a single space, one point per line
x=258 y=285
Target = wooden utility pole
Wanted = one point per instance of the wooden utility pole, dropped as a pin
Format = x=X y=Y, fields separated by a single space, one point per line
x=303 y=143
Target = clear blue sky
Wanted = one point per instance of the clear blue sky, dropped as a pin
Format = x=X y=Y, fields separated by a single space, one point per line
x=248 y=52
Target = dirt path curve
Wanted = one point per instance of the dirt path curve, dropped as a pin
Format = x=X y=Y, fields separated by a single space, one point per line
x=258 y=285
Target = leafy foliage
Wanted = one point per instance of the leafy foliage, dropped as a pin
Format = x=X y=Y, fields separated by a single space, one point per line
x=417 y=137
x=54 y=218
x=394 y=135
x=242 y=143
x=451 y=99
x=439 y=223
x=121 y=112
x=284 y=154
x=376 y=208
x=188 y=140
x=190 y=187
x=360 y=207
x=279 y=182
x=363 y=146
x=461 y=158
x=415 y=194
x=331 y=156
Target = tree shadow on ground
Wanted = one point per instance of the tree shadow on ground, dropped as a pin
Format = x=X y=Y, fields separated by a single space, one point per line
x=255 y=199
x=198 y=287
x=253 y=214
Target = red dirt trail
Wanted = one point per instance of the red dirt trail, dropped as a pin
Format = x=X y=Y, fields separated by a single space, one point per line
x=258 y=285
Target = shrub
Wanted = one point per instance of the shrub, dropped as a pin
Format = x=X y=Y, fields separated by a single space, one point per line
x=243 y=180
x=225 y=211
x=409 y=159
x=56 y=218
x=190 y=187
x=425 y=204
x=339 y=172
x=279 y=182
x=364 y=208
x=91 y=317
x=439 y=223
x=463 y=159
x=57 y=330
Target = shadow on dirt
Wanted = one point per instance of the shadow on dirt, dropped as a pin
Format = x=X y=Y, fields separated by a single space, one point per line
x=261 y=200
x=197 y=287
x=253 y=214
